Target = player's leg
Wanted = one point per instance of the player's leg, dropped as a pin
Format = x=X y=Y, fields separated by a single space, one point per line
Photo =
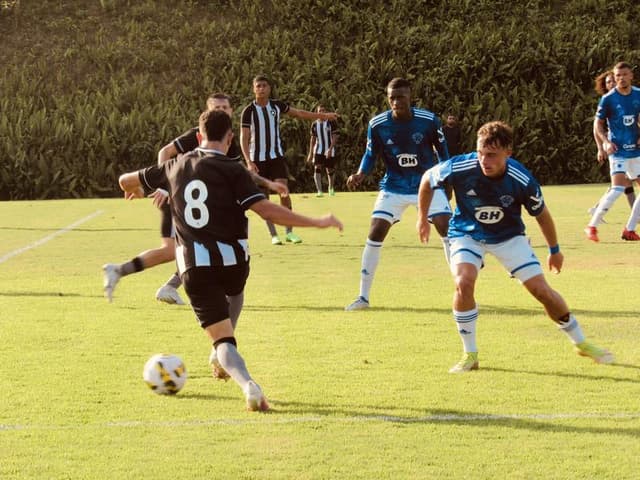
x=629 y=192
x=318 y=167
x=168 y=292
x=629 y=232
x=387 y=210
x=465 y=262
x=439 y=215
x=330 y=166
x=264 y=170
x=618 y=169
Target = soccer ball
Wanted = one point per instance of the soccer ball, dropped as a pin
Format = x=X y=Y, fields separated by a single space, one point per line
x=165 y=374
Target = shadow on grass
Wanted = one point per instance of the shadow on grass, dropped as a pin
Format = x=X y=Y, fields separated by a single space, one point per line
x=44 y=294
x=597 y=377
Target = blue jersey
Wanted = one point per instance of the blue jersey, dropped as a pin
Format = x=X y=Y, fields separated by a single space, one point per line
x=622 y=114
x=406 y=148
x=489 y=210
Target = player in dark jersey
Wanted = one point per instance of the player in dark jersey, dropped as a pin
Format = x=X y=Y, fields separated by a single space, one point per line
x=187 y=142
x=491 y=188
x=209 y=194
x=322 y=151
x=261 y=143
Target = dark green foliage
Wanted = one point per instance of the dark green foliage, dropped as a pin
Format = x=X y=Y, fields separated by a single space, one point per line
x=91 y=89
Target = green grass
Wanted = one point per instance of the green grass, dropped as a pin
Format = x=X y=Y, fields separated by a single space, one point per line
x=354 y=394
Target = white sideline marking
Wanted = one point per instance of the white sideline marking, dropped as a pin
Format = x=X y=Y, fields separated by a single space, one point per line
x=37 y=243
x=268 y=419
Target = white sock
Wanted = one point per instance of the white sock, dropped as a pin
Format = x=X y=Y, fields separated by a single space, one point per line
x=606 y=202
x=233 y=363
x=571 y=329
x=317 y=179
x=466 y=323
x=635 y=215
x=445 y=246
x=370 y=260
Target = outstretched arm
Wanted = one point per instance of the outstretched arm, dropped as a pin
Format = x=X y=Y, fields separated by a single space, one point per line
x=548 y=229
x=307 y=115
x=131 y=186
x=283 y=216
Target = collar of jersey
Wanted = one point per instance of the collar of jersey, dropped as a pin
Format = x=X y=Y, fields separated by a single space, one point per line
x=209 y=151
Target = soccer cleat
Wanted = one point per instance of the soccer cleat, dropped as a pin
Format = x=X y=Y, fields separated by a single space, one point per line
x=319 y=194
x=256 y=401
x=293 y=238
x=360 y=303
x=595 y=353
x=168 y=294
x=111 y=275
x=275 y=240
x=468 y=362
x=592 y=234
x=217 y=371
x=332 y=192
x=630 y=235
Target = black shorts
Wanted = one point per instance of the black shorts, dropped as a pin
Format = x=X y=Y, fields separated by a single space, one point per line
x=208 y=288
x=166 y=224
x=274 y=168
x=320 y=160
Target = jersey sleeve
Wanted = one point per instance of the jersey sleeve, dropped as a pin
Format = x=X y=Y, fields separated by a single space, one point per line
x=533 y=201
x=187 y=142
x=283 y=106
x=245 y=117
x=245 y=190
x=440 y=141
x=439 y=174
x=312 y=130
x=154 y=177
x=601 y=112
x=369 y=158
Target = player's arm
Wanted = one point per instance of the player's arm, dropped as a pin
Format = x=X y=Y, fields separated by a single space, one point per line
x=600 y=129
x=277 y=187
x=283 y=216
x=245 y=138
x=368 y=160
x=548 y=229
x=440 y=142
x=602 y=155
x=307 y=115
x=332 y=143
x=312 y=147
x=166 y=153
x=131 y=186
x=425 y=196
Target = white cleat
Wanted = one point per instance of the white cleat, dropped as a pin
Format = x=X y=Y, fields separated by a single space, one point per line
x=111 y=276
x=168 y=294
x=256 y=401
x=360 y=303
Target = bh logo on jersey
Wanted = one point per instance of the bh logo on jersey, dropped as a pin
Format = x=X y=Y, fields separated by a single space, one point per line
x=407 y=160
x=489 y=215
x=628 y=120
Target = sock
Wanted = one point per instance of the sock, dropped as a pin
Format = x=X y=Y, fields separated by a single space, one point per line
x=445 y=246
x=174 y=281
x=466 y=323
x=235 y=307
x=272 y=229
x=317 y=179
x=370 y=260
x=233 y=363
x=606 y=202
x=631 y=195
x=130 y=267
x=571 y=328
x=632 y=222
x=330 y=180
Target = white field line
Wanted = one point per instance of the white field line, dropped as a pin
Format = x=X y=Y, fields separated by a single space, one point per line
x=43 y=240
x=270 y=419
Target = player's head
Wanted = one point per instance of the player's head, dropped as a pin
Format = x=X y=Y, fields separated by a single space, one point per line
x=623 y=74
x=220 y=101
x=494 y=146
x=604 y=82
x=452 y=120
x=320 y=108
x=399 y=97
x=261 y=87
x=215 y=126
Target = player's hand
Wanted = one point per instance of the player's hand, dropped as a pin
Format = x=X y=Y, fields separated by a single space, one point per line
x=602 y=156
x=329 y=221
x=137 y=193
x=424 y=229
x=160 y=197
x=251 y=166
x=330 y=116
x=354 y=180
x=279 y=188
x=609 y=147
x=555 y=261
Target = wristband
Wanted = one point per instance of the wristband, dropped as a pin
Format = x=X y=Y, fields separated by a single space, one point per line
x=554 y=249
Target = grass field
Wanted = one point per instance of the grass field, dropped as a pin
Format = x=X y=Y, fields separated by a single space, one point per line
x=354 y=394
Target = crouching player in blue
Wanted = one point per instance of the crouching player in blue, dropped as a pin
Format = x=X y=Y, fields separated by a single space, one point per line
x=490 y=188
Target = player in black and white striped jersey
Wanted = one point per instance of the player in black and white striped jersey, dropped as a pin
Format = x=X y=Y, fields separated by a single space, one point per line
x=261 y=142
x=209 y=194
x=322 y=151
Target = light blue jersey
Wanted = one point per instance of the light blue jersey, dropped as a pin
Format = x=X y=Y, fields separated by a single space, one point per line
x=622 y=114
x=407 y=149
x=488 y=210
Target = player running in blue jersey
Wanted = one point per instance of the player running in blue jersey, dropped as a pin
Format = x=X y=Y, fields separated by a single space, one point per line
x=619 y=111
x=490 y=189
x=405 y=138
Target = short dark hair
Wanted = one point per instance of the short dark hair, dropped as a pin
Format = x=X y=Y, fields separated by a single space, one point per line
x=621 y=65
x=218 y=96
x=214 y=124
x=399 y=82
x=497 y=134
x=261 y=78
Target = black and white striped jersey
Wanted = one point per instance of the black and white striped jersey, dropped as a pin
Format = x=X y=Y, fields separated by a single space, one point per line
x=209 y=194
x=322 y=131
x=264 y=122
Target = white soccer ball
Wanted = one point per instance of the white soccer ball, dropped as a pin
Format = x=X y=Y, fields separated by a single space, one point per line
x=165 y=374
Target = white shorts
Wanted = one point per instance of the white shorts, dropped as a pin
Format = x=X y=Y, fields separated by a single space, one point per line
x=391 y=206
x=628 y=166
x=515 y=255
